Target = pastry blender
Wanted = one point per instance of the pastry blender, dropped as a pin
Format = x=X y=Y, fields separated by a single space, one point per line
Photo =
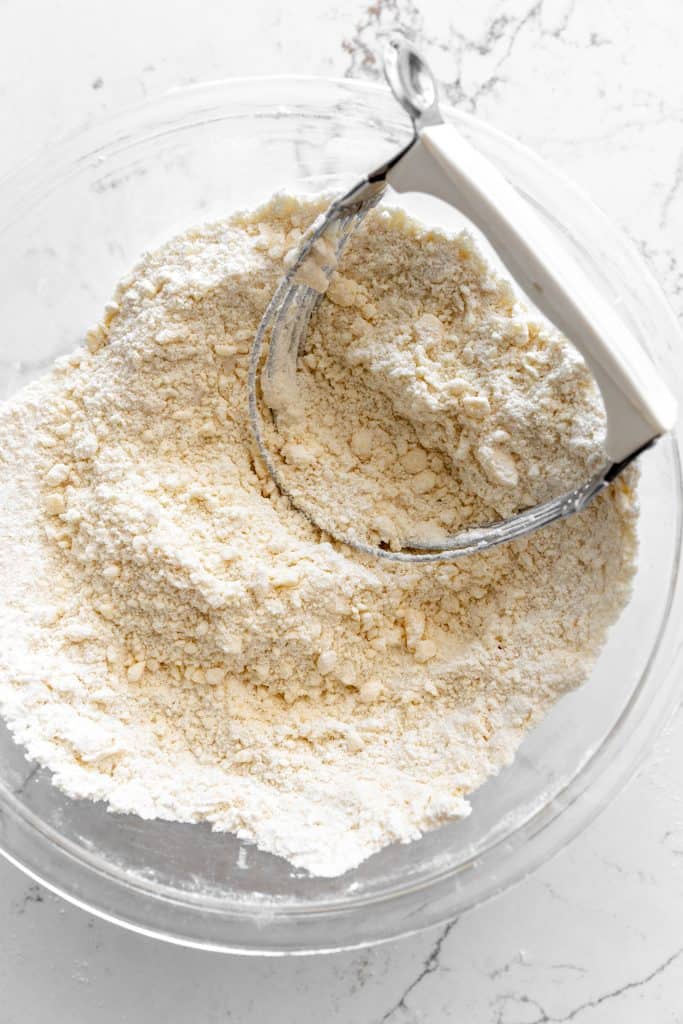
x=440 y=162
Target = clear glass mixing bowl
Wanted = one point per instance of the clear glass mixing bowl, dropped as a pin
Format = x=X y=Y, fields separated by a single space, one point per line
x=75 y=220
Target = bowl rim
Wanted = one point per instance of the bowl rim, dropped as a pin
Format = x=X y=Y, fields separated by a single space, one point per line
x=32 y=846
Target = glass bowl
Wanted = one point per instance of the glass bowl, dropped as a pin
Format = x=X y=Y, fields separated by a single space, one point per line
x=71 y=223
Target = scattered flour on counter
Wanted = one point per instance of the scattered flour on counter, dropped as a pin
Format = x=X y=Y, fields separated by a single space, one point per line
x=177 y=641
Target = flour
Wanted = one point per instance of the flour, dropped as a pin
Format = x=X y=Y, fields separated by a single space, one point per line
x=496 y=413
x=177 y=641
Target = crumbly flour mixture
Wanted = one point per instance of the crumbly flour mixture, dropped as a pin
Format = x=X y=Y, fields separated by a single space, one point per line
x=177 y=641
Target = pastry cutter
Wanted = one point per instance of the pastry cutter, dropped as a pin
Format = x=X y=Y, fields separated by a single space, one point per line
x=440 y=162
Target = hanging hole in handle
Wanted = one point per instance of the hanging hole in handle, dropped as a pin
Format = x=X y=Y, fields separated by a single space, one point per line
x=409 y=78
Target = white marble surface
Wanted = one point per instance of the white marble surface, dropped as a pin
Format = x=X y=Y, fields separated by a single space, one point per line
x=597 y=935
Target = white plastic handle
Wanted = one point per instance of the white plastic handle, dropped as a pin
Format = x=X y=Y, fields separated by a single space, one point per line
x=638 y=404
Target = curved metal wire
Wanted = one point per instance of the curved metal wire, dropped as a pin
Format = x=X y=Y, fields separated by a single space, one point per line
x=284 y=325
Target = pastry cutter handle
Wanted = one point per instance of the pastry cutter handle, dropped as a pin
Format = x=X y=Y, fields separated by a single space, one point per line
x=638 y=404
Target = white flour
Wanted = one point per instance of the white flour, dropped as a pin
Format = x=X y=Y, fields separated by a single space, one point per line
x=177 y=641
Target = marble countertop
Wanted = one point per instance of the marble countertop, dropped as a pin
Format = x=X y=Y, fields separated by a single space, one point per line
x=596 y=936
